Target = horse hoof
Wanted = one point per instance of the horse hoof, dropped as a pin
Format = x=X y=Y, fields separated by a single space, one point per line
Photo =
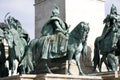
x=100 y=71
x=69 y=73
x=94 y=70
x=49 y=72
x=82 y=74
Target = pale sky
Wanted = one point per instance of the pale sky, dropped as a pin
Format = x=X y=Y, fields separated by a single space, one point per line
x=23 y=10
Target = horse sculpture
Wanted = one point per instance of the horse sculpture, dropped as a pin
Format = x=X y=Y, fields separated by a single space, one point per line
x=76 y=45
x=108 y=55
x=16 y=43
x=105 y=48
x=107 y=43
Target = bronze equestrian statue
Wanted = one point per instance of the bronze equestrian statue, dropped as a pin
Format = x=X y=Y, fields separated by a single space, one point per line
x=107 y=44
x=56 y=42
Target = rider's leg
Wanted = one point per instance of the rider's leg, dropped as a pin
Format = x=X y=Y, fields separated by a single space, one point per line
x=115 y=40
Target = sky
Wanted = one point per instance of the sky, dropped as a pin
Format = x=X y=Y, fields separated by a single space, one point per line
x=23 y=10
x=109 y=3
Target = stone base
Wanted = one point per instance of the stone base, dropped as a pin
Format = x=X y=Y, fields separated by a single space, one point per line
x=51 y=77
x=20 y=77
x=107 y=75
x=95 y=76
x=60 y=66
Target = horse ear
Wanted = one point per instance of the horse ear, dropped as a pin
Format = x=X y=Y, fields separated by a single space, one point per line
x=88 y=27
x=88 y=24
x=82 y=24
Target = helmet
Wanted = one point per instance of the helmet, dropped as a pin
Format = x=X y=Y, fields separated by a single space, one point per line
x=113 y=9
x=55 y=11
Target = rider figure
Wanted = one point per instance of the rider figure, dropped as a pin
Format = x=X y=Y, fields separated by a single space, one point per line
x=111 y=23
x=57 y=32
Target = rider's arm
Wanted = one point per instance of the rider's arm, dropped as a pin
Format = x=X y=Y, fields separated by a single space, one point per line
x=59 y=27
x=114 y=16
x=106 y=20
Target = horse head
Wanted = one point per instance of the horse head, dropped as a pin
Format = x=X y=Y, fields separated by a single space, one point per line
x=84 y=29
x=79 y=34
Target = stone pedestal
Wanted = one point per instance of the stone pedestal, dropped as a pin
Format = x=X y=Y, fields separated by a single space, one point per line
x=60 y=66
x=52 y=77
x=95 y=76
x=67 y=77
x=20 y=77
x=109 y=75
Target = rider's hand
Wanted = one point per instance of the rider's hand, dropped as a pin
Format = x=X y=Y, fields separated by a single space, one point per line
x=66 y=32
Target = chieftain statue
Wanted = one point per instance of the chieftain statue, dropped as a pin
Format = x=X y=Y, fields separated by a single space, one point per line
x=17 y=39
x=111 y=23
x=56 y=32
x=51 y=44
x=108 y=43
x=56 y=42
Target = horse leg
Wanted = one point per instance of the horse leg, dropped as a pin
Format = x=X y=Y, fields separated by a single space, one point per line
x=10 y=60
x=46 y=65
x=107 y=65
x=101 y=61
x=70 y=56
x=94 y=67
x=15 y=62
x=22 y=69
x=10 y=67
x=77 y=58
x=113 y=60
x=117 y=62
x=14 y=67
x=115 y=65
x=96 y=59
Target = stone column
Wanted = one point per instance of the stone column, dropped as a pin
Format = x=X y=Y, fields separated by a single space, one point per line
x=43 y=11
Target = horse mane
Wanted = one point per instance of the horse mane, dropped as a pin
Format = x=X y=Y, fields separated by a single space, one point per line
x=75 y=33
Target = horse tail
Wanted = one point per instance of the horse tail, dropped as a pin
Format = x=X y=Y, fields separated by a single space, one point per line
x=96 y=58
x=84 y=50
x=28 y=60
